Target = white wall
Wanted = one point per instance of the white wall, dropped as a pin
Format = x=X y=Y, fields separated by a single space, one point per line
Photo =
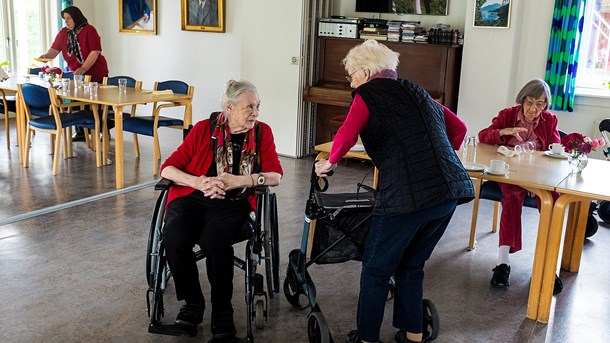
x=252 y=48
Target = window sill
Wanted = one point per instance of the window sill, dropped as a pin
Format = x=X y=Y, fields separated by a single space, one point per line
x=592 y=97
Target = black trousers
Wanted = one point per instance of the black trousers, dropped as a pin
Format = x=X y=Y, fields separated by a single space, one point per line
x=215 y=226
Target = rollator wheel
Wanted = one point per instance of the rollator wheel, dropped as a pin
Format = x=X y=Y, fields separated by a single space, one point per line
x=275 y=244
x=431 y=321
x=317 y=329
x=259 y=314
x=268 y=246
x=293 y=290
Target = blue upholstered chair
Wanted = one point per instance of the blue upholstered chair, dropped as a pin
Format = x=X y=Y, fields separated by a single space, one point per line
x=67 y=75
x=34 y=71
x=149 y=125
x=45 y=113
x=7 y=104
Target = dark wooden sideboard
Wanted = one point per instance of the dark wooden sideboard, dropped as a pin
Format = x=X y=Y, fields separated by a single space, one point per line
x=434 y=67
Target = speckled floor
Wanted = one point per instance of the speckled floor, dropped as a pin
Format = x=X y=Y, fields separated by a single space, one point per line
x=78 y=274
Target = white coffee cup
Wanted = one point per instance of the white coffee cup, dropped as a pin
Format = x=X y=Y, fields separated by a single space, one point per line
x=556 y=148
x=498 y=166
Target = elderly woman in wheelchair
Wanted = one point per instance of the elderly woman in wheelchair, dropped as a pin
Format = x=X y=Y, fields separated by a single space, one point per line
x=215 y=171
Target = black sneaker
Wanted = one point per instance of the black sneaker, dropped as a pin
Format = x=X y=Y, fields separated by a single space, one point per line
x=78 y=137
x=401 y=337
x=558 y=287
x=352 y=337
x=222 y=324
x=190 y=315
x=500 y=277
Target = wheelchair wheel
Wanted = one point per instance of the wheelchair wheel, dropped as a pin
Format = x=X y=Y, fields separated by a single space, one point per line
x=431 y=322
x=275 y=244
x=259 y=314
x=317 y=329
x=268 y=245
x=154 y=236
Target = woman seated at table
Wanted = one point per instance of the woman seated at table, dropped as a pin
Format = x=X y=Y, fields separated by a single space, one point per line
x=528 y=121
x=214 y=171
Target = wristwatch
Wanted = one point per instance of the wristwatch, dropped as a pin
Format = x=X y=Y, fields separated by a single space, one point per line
x=261 y=180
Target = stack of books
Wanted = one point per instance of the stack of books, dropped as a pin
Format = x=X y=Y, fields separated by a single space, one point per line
x=374 y=33
x=394 y=30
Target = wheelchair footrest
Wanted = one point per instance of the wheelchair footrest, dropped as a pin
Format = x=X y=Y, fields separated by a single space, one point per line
x=172 y=329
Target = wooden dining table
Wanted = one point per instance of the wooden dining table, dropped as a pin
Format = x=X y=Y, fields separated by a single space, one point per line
x=106 y=96
x=111 y=97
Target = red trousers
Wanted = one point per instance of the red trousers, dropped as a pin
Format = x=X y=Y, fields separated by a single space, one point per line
x=510 y=219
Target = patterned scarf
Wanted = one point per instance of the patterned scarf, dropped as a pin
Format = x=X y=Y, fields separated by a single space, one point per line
x=224 y=149
x=74 y=45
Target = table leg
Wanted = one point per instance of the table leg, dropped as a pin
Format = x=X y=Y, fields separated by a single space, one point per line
x=105 y=140
x=575 y=235
x=475 y=214
x=546 y=211
x=20 y=126
x=118 y=146
x=550 y=263
x=96 y=136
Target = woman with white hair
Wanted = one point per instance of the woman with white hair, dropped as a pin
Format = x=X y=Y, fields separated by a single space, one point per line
x=411 y=140
x=214 y=172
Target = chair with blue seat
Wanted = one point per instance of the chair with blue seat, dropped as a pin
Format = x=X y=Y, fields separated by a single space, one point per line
x=149 y=125
x=7 y=104
x=34 y=71
x=46 y=113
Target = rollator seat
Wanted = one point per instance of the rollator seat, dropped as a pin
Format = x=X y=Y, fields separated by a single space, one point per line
x=345 y=200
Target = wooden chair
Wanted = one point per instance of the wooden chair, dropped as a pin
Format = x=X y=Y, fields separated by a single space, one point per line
x=8 y=104
x=36 y=99
x=149 y=125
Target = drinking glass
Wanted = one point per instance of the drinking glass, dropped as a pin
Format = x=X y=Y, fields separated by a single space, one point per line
x=65 y=85
x=93 y=89
x=78 y=81
x=469 y=149
x=122 y=86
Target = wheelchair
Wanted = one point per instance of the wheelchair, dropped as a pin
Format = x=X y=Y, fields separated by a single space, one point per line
x=261 y=234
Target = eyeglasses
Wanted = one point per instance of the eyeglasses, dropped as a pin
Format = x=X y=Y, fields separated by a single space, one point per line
x=530 y=102
x=349 y=77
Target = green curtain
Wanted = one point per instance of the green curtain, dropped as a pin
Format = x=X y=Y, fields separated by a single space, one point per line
x=562 y=60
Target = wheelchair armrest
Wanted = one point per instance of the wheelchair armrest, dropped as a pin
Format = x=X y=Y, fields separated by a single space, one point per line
x=163 y=184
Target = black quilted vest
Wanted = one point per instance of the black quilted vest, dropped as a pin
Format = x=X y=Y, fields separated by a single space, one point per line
x=407 y=140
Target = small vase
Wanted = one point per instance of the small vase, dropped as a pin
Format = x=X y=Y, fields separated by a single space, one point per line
x=577 y=161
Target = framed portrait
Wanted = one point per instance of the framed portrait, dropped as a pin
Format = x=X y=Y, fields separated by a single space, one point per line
x=492 y=14
x=203 y=15
x=138 y=16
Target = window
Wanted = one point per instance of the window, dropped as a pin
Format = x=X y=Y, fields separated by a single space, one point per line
x=27 y=28
x=594 y=59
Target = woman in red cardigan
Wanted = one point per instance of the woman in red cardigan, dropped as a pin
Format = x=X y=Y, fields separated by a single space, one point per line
x=214 y=172
x=528 y=121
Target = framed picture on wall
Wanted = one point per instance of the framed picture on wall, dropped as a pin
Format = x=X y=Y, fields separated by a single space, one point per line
x=203 y=15
x=138 y=16
x=492 y=14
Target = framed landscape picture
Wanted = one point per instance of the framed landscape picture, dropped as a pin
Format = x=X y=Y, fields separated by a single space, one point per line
x=492 y=13
x=138 y=16
x=203 y=15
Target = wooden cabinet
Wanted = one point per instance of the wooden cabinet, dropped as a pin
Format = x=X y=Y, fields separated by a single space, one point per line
x=434 y=67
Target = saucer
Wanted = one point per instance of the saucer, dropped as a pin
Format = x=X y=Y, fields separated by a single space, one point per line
x=357 y=147
x=474 y=166
x=551 y=154
x=499 y=173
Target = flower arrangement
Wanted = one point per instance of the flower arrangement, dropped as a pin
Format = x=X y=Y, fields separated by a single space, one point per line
x=579 y=146
x=52 y=73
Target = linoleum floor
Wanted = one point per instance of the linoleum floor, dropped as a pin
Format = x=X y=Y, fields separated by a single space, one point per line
x=78 y=274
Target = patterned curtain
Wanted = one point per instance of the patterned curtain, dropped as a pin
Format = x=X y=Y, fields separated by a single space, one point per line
x=562 y=60
x=66 y=3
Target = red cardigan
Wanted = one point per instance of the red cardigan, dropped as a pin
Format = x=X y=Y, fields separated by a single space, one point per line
x=546 y=130
x=194 y=156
